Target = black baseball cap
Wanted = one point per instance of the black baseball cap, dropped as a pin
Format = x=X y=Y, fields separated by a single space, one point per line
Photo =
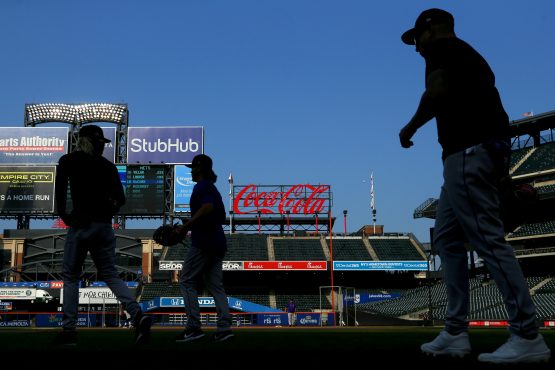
x=93 y=132
x=201 y=160
x=430 y=16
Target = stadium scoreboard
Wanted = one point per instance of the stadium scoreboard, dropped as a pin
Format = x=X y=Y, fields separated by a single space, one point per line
x=144 y=189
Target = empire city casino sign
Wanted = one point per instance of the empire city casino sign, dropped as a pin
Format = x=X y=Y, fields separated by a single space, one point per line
x=300 y=199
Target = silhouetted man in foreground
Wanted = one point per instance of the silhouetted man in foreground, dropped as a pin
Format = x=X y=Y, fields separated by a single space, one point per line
x=96 y=194
x=473 y=130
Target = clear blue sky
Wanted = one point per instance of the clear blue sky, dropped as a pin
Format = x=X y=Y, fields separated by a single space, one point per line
x=288 y=91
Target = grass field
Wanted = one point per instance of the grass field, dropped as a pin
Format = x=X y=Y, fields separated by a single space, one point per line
x=252 y=348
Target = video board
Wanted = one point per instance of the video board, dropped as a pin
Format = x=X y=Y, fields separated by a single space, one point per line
x=182 y=189
x=25 y=189
x=144 y=189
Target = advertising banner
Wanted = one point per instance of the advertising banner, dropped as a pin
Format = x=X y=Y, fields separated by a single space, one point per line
x=300 y=199
x=55 y=320
x=170 y=265
x=32 y=145
x=183 y=188
x=94 y=296
x=17 y=293
x=18 y=284
x=15 y=324
x=255 y=265
x=164 y=145
x=27 y=189
x=380 y=265
x=374 y=297
x=178 y=265
x=178 y=302
x=234 y=303
x=53 y=284
x=494 y=323
x=302 y=319
x=285 y=265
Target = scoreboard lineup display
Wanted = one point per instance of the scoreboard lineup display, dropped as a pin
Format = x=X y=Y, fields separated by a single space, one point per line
x=144 y=189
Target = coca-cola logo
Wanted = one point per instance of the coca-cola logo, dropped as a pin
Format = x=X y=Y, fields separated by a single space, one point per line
x=297 y=199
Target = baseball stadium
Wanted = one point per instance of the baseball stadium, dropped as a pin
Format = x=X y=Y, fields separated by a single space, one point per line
x=362 y=298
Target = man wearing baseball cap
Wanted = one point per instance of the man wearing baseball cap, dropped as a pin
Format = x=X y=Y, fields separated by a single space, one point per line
x=96 y=194
x=473 y=130
x=205 y=256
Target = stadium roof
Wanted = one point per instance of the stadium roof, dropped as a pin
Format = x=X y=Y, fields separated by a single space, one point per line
x=533 y=124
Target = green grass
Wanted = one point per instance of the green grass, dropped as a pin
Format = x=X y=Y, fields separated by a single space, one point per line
x=252 y=348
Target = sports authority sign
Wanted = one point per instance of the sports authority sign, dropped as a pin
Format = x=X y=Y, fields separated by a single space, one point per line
x=164 y=145
x=32 y=145
x=300 y=199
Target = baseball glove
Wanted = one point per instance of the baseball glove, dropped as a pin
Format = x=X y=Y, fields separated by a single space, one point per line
x=168 y=235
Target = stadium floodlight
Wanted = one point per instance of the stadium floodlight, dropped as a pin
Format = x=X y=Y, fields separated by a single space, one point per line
x=75 y=113
x=49 y=112
x=101 y=112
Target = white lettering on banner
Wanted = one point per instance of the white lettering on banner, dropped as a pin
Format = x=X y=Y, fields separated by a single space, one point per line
x=284 y=266
x=308 y=320
x=206 y=301
x=255 y=266
x=177 y=302
x=170 y=266
x=94 y=295
x=227 y=266
x=160 y=146
x=15 y=323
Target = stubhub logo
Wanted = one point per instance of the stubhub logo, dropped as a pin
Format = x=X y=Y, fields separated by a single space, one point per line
x=164 y=146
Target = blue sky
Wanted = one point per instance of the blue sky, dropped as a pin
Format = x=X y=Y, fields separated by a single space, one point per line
x=288 y=91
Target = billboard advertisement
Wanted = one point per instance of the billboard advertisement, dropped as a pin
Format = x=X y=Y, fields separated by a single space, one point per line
x=164 y=145
x=55 y=320
x=255 y=265
x=94 y=296
x=300 y=199
x=178 y=265
x=380 y=265
x=27 y=189
x=183 y=188
x=32 y=145
x=285 y=265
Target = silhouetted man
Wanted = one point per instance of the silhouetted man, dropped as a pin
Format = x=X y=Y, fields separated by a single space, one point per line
x=96 y=195
x=205 y=256
x=473 y=130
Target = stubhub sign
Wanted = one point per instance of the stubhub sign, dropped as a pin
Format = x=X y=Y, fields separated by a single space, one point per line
x=164 y=145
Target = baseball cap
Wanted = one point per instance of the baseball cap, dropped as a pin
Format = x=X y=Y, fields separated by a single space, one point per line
x=201 y=160
x=430 y=16
x=94 y=132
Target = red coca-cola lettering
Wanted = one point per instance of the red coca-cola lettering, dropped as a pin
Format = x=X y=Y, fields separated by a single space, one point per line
x=298 y=199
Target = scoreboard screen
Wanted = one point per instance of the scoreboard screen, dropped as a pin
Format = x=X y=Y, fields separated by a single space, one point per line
x=144 y=189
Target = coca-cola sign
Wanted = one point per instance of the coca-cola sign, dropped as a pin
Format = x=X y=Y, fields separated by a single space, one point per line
x=300 y=199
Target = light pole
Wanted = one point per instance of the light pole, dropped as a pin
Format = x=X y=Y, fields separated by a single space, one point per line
x=345 y=222
x=230 y=180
